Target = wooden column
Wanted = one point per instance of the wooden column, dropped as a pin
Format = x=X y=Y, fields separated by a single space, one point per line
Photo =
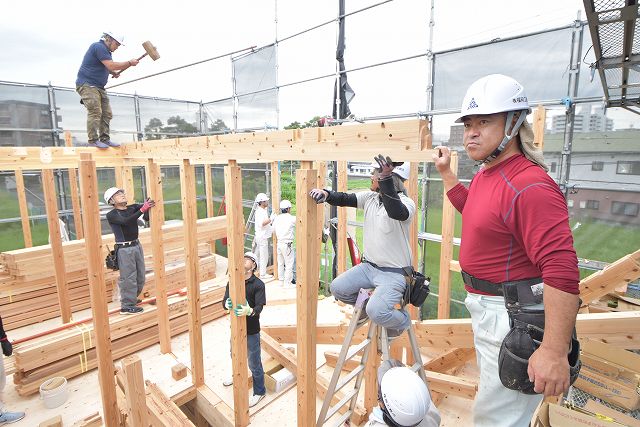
x=371 y=377
x=342 y=219
x=308 y=257
x=51 y=204
x=124 y=180
x=539 y=121
x=97 y=287
x=275 y=206
x=322 y=177
x=235 y=252
x=446 y=249
x=189 y=218
x=24 y=210
x=156 y=218
x=134 y=391
x=208 y=189
x=75 y=198
x=412 y=191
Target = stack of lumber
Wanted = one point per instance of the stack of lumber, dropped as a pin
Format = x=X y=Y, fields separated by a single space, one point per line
x=71 y=352
x=28 y=292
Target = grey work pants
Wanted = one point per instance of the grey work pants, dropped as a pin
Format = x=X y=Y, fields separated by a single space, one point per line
x=132 y=274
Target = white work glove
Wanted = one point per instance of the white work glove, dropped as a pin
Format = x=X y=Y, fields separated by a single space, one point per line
x=243 y=310
x=319 y=195
x=228 y=304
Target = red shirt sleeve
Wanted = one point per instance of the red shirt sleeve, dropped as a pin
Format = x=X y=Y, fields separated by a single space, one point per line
x=458 y=196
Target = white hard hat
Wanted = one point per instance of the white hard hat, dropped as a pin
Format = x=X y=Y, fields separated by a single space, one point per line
x=495 y=93
x=118 y=38
x=261 y=197
x=402 y=171
x=110 y=193
x=252 y=257
x=405 y=396
x=285 y=204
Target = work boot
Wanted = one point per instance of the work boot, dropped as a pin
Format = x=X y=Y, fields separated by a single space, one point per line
x=363 y=314
x=98 y=144
x=10 y=417
x=228 y=382
x=111 y=143
x=253 y=400
x=131 y=310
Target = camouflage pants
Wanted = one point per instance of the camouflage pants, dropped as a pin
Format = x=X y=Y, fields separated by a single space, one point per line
x=98 y=112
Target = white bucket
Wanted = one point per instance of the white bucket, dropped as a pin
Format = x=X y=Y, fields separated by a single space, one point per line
x=54 y=392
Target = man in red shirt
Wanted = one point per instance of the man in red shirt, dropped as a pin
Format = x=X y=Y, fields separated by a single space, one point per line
x=515 y=228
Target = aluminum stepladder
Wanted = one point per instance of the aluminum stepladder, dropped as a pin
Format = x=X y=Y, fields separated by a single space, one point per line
x=347 y=353
x=249 y=229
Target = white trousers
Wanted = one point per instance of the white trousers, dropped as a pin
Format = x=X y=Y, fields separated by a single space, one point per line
x=262 y=249
x=495 y=405
x=3 y=377
x=286 y=256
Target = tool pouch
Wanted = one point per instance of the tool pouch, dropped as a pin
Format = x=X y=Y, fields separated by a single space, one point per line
x=417 y=289
x=112 y=259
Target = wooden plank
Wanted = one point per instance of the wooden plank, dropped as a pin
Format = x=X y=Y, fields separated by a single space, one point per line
x=450 y=359
x=73 y=188
x=50 y=195
x=162 y=410
x=189 y=217
x=35 y=158
x=342 y=220
x=95 y=267
x=134 y=391
x=235 y=252
x=156 y=218
x=308 y=256
x=24 y=210
x=212 y=408
x=52 y=422
x=446 y=249
x=600 y=283
x=275 y=206
x=208 y=190
x=539 y=124
x=412 y=191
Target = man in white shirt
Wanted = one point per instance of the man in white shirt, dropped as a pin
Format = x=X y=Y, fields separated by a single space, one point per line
x=284 y=226
x=263 y=232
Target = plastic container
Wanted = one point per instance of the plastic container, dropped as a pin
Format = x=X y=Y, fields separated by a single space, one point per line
x=54 y=392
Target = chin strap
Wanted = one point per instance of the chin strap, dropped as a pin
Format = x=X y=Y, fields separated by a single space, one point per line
x=507 y=136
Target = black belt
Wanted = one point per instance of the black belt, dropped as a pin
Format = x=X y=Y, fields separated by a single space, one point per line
x=127 y=244
x=491 y=288
x=405 y=271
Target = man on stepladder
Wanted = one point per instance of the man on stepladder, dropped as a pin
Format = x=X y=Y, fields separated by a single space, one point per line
x=386 y=261
x=517 y=257
x=284 y=226
x=263 y=232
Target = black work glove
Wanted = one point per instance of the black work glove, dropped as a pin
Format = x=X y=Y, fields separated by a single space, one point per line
x=319 y=195
x=386 y=165
x=7 y=348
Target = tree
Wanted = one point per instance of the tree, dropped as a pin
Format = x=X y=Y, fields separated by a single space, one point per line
x=175 y=125
x=308 y=124
x=218 y=126
x=153 y=129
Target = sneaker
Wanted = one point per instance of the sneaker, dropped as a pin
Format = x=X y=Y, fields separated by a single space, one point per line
x=363 y=314
x=11 y=417
x=253 y=400
x=98 y=144
x=111 y=143
x=131 y=310
x=228 y=382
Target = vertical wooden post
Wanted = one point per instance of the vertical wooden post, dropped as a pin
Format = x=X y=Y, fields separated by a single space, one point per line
x=134 y=391
x=75 y=198
x=156 y=218
x=97 y=287
x=235 y=252
x=275 y=206
x=49 y=189
x=342 y=219
x=24 y=210
x=208 y=189
x=371 y=377
x=322 y=177
x=412 y=191
x=119 y=177
x=539 y=122
x=126 y=182
x=446 y=249
x=189 y=218
x=307 y=296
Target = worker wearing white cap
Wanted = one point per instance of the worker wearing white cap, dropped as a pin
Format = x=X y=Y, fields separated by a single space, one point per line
x=284 y=226
x=263 y=232
x=93 y=75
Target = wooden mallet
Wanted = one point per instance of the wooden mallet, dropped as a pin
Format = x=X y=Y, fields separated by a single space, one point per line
x=149 y=50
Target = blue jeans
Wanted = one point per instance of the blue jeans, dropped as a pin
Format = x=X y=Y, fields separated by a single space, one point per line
x=255 y=364
x=389 y=288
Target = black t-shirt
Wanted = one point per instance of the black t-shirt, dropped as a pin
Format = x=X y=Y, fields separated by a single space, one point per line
x=124 y=222
x=256 y=297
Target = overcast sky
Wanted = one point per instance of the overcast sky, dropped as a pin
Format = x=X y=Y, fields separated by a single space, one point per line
x=45 y=42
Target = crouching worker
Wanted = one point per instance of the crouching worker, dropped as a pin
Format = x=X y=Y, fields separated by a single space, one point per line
x=387 y=255
x=251 y=308
x=123 y=220
x=403 y=399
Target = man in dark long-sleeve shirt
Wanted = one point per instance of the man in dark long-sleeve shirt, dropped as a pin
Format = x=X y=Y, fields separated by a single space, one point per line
x=123 y=220
x=251 y=308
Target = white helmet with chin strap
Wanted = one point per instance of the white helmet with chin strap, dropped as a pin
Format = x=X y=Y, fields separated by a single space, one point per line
x=405 y=397
x=496 y=93
x=117 y=37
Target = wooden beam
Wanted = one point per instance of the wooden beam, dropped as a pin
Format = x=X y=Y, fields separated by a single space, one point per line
x=450 y=359
x=539 y=124
x=342 y=219
x=24 y=210
x=51 y=204
x=275 y=207
x=28 y=158
x=73 y=188
x=162 y=410
x=134 y=391
x=156 y=218
x=308 y=256
x=189 y=218
x=212 y=408
x=235 y=253
x=446 y=249
x=95 y=268
x=451 y=385
x=600 y=283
